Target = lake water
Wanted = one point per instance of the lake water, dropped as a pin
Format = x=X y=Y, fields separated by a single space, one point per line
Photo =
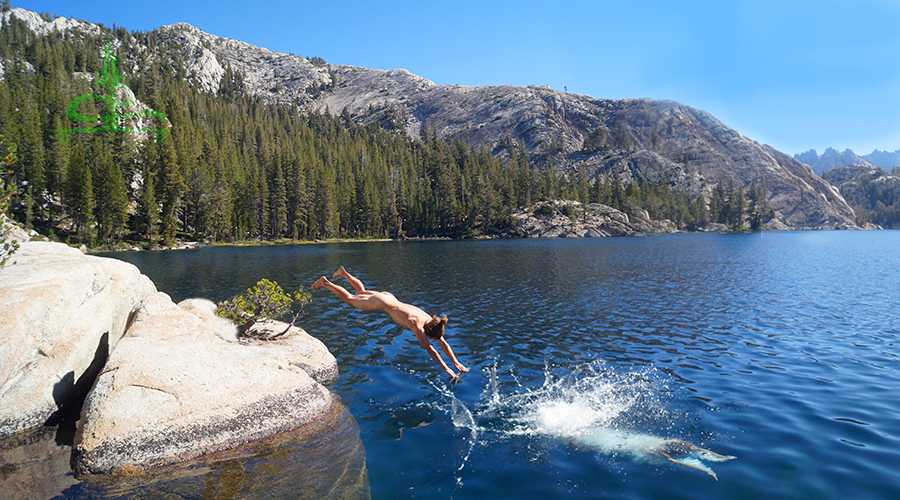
x=779 y=349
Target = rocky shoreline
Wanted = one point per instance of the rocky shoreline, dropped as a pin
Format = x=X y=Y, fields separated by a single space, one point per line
x=572 y=219
x=161 y=382
x=546 y=219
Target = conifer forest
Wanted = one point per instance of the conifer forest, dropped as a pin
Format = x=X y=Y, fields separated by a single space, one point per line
x=232 y=167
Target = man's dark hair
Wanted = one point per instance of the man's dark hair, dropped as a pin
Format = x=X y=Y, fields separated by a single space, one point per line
x=434 y=329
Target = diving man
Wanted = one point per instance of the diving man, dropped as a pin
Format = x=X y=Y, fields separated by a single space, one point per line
x=426 y=327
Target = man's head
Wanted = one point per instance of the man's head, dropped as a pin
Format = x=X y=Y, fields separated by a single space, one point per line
x=434 y=329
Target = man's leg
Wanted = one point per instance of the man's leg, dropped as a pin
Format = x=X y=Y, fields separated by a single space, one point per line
x=338 y=290
x=354 y=282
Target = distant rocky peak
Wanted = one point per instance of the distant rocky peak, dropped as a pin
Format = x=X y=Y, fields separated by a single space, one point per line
x=188 y=28
x=884 y=159
x=830 y=159
x=38 y=24
x=809 y=157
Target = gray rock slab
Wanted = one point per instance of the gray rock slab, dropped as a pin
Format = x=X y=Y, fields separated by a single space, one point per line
x=60 y=313
x=297 y=349
x=178 y=386
x=547 y=220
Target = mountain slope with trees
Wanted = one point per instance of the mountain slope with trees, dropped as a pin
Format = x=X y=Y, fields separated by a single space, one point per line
x=873 y=192
x=642 y=140
x=268 y=146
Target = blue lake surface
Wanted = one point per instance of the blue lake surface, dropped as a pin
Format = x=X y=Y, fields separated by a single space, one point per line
x=780 y=349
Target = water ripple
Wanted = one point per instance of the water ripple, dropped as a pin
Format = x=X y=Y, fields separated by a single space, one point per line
x=781 y=348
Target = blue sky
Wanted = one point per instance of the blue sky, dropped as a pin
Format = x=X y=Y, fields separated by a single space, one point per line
x=792 y=74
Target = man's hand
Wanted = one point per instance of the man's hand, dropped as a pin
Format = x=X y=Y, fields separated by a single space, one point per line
x=459 y=366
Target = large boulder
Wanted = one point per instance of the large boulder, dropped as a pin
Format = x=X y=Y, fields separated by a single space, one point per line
x=572 y=219
x=181 y=384
x=61 y=312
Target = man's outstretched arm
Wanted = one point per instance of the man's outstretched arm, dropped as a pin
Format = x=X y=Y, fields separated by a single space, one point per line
x=446 y=348
x=434 y=354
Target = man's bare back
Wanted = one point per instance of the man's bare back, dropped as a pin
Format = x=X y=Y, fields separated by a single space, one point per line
x=406 y=315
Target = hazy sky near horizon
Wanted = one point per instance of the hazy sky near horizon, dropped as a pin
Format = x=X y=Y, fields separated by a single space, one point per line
x=796 y=75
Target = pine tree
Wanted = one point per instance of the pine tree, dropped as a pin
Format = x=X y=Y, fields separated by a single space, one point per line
x=583 y=185
x=717 y=207
x=80 y=193
x=758 y=205
x=700 y=212
x=616 y=196
x=278 y=201
x=735 y=206
x=148 y=208
x=299 y=202
x=57 y=160
x=110 y=195
x=170 y=186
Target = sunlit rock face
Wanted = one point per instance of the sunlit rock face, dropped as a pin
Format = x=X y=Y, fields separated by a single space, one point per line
x=181 y=385
x=61 y=312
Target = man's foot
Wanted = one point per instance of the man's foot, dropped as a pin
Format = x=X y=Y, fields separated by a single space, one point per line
x=319 y=283
x=340 y=273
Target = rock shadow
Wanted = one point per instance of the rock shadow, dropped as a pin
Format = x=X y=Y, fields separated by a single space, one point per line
x=69 y=395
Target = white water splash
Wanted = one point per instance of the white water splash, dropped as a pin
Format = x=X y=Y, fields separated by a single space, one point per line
x=649 y=448
x=590 y=408
x=495 y=392
x=462 y=417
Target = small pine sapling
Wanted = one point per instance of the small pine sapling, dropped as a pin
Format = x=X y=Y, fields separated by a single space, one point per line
x=266 y=300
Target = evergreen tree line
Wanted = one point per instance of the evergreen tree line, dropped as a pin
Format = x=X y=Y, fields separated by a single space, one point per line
x=729 y=204
x=232 y=167
x=732 y=206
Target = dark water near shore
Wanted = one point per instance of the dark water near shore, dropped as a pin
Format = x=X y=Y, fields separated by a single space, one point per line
x=781 y=349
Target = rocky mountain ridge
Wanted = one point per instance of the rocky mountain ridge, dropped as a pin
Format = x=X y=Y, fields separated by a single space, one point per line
x=633 y=139
x=832 y=159
x=639 y=139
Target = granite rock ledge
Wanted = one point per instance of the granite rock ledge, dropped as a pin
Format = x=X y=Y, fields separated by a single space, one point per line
x=181 y=384
x=61 y=312
x=164 y=382
x=573 y=219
